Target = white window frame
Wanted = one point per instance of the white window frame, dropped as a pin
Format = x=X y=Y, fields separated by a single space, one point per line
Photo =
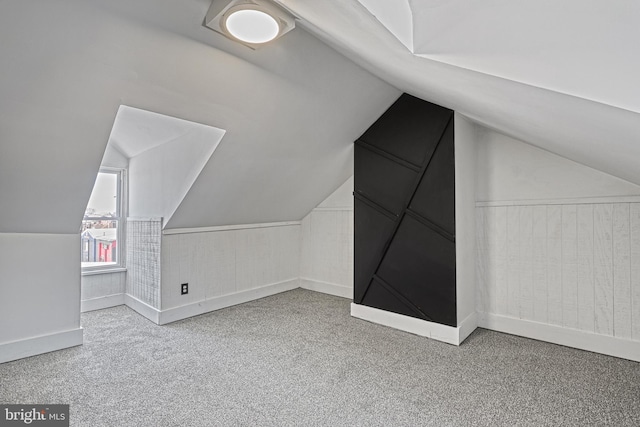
x=121 y=208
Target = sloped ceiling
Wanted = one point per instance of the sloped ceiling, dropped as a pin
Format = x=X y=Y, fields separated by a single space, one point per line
x=559 y=75
x=136 y=131
x=165 y=155
x=291 y=110
x=578 y=47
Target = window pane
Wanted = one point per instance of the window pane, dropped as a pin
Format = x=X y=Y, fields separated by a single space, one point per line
x=104 y=197
x=99 y=243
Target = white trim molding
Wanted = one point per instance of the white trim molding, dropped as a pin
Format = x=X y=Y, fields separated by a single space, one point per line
x=333 y=209
x=229 y=227
x=104 y=271
x=423 y=328
x=205 y=306
x=38 y=345
x=612 y=346
x=327 y=288
x=142 y=308
x=100 y=303
x=578 y=201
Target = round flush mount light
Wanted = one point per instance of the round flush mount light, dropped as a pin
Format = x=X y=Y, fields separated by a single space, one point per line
x=253 y=23
x=252 y=26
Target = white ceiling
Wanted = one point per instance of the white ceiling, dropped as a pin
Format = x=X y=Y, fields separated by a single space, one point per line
x=291 y=110
x=136 y=131
x=559 y=75
x=585 y=48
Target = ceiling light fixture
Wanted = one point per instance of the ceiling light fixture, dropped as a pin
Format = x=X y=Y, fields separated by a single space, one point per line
x=250 y=22
x=252 y=26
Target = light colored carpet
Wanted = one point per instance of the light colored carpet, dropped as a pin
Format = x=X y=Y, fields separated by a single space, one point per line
x=299 y=359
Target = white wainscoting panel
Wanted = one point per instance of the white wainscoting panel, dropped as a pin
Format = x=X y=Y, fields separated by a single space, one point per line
x=227 y=262
x=621 y=271
x=603 y=268
x=572 y=266
x=327 y=251
x=586 y=296
x=554 y=265
x=540 y=280
x=100 y=291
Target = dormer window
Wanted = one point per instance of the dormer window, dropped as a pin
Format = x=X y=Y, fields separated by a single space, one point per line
x=102 y=227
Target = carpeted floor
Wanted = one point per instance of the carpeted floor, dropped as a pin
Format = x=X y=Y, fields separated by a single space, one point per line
x=299 y=359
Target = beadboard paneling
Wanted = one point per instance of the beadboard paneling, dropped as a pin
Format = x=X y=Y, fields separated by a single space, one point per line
x=575 y=266
x=526 y=264
x=514 y=261
x=484 y=297
x=603 y=268
x=621 y=271
x=569 y=267
x=540 y=284
x=498 y=239
x=554 y=265
x=226 y=262
x=586 y=298
x=102 y=285
x=327 y=247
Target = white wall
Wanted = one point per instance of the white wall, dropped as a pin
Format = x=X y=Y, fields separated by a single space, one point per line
x=226 y=266
x=62 y=86
x=558 y=249
x=160 y=177
x=102 y=290
x=510 y=170
x=465 y=197
x=39 y=293
x=114 y=158
x=326 y=263
x=292 y=111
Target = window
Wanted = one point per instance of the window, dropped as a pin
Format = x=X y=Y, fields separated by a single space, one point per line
x=101 y=234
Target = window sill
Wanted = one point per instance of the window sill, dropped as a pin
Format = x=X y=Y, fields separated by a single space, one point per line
x=105 y=270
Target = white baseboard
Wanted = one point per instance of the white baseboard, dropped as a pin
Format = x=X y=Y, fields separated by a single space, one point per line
x=436 y=331
x=582 y=340
x=327 y=288
x=467 y=326
x=38 y=345
x=211 y=304
x=101 y=302
x=142 y=308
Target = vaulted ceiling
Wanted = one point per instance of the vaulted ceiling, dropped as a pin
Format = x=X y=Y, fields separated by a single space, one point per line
x=583 y=48
x=559 y=75
x=291 y=110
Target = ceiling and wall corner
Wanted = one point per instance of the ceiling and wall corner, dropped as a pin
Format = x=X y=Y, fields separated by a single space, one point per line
x=291 y=109
x=512 y=170
x=341 y=197
x=165 y=156
x=396 y=16
x=562 y=106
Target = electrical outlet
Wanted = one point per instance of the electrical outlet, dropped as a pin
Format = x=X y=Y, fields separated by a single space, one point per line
x=184 y=289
